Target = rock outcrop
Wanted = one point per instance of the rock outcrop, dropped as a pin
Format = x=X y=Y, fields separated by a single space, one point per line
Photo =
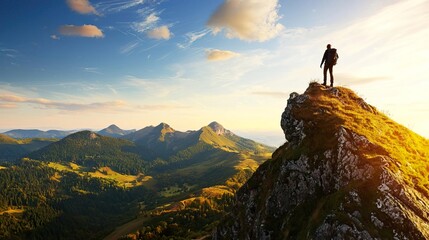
x=345 y=172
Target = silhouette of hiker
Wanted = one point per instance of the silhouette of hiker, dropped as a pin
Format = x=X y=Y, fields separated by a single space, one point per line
x=330 y=58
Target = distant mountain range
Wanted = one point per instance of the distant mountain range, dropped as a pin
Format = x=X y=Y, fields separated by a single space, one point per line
x=35 y=133
x=169 y=171
x=150 y=142
x=160 y=147
x=110 y=131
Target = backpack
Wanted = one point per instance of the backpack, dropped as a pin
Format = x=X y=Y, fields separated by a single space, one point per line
x=335 y=57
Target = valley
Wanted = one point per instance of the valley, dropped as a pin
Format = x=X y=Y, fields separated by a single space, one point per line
x=156 y=179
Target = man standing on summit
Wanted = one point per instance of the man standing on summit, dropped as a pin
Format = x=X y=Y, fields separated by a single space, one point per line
x=330 y=58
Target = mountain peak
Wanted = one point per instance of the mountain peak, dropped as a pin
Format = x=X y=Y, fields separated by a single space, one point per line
x=347 y=171
x=114 y=131
x=113 y=127
x=328 y=107
x=218 y=128
x=164 y=128
x=163 y=125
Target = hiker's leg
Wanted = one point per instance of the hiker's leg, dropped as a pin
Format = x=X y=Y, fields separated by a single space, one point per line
x=331 y=75
x=325 y=69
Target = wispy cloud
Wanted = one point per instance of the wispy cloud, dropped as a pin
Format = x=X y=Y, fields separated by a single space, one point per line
x=250 y=20
x=9 y=52
x=7 y=105
x=11 y=98
x=139 y=82
x=149 y=22
x=150 y=25
x=81 y=31
x=117 y=5
x=92 y=70
x=128 y=48
x=162 y=32
x=220 y=55
x=81 y=6
x=14 y=100
x=191 y=37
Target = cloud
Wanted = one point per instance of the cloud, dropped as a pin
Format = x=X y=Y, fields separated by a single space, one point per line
x=13 y=100
x=9 y=52
x=91 y=70
x=129 y=47
x=81 y=31
x=7 y=105
x=160 y=33
x=220 y=55
x=149 y=22
x=191 y=37
x=150 y=25
x=250 y=20
x=118 y=5
x=55 y=37
x=81 y=6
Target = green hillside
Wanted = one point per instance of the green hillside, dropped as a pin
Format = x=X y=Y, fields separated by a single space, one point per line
x=4 y=139
x=39 y=202
x=93 y=151
x=197 y=170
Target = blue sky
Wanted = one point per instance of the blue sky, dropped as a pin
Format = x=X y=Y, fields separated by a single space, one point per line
x=68 y=64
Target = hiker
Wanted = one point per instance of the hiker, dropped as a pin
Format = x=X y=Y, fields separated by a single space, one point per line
x=330 y=58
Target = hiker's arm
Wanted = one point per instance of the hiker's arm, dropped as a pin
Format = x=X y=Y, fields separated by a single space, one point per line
x=323 y=59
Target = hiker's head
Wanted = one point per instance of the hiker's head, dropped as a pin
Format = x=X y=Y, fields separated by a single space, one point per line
x=328 y=46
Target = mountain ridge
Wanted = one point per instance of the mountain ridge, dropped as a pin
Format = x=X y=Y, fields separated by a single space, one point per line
x=36 y=133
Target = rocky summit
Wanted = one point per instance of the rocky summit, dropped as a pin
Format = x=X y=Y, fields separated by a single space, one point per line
x=347 y=171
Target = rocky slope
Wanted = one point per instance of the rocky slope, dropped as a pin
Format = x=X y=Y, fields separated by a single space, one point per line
x=346 y=172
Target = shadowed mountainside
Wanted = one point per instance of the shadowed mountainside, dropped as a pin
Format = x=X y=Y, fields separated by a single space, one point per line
x=12 y=149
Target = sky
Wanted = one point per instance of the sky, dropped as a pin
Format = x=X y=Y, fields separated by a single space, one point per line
x=74 y=64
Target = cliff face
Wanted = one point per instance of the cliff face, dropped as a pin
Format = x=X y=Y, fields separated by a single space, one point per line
x=346 y=172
